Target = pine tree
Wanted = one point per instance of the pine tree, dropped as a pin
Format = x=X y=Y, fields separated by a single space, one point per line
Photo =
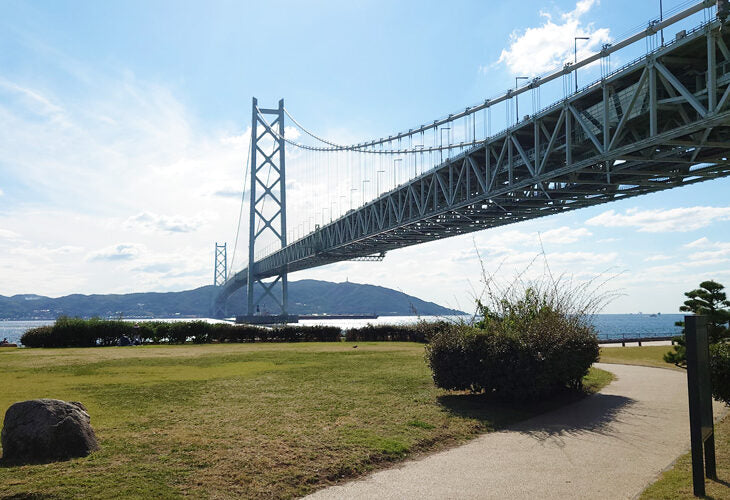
x=708 y=300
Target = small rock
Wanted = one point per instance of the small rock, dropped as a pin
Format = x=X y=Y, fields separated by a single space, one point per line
x=46 y=430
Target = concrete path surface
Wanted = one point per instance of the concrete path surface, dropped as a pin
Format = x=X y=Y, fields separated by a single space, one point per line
x=610 y=445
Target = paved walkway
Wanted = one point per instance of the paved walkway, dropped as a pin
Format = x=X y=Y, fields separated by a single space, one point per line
x=610 y=445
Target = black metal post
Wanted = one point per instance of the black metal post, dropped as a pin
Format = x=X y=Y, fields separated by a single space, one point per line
x=700 y=402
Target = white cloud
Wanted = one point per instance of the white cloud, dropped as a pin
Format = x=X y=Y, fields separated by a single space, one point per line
x=657 y=258
x=575 y=258
x=710 y=252
x=659 y=221
x=564 y=235
x=6 y=234
x=699 y=243
x=32 y=99
x=1 y=192
x=537 y=50
x=228 y=193
x=292 y=133
x=120 y=252
x=512 y=237
x=170 y=224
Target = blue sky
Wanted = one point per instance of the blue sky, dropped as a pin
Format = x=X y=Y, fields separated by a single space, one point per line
x=124 y=138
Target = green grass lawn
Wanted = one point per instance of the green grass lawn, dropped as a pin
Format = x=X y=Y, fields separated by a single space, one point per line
x=676 y=483
x=649 y=355
x=241 y=420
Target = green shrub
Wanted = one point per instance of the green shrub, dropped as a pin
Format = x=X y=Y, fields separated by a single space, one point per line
x=720 y=371
x=530 y=342
x=146 y=332
x=246 y=333
x=37 y=337
x=515 y=360
x=300 y=333
x=454 y=357
x=180 y=332
x=418 y=332
x=162 y=331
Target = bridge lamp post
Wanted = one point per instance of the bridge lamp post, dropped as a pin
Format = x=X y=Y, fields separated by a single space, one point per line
x=441 y=149
x=661 y=18
x=395 y=170
x=415 y=163
x=517 y=97
x=575 y=56
x=377 y=180
x=352 y=193
x=363 y=190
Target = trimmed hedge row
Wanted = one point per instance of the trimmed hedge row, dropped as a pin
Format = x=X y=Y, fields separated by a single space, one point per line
x=419 y=332
x=77 y=332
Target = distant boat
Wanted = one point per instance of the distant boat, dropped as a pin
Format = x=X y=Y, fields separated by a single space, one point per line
x=652 y=315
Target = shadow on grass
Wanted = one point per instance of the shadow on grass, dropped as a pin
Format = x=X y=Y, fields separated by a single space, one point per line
x=560 y=415
x=722 y=482
x=8 y=464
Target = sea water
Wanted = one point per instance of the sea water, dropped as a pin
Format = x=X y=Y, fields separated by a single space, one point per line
x=609 y=326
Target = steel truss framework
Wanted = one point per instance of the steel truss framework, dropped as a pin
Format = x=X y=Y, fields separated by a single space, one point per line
x=264 y=187
x=221 y=265
x=660 y=123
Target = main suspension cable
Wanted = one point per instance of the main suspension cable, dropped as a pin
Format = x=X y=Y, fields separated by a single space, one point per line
x=243 y=196
x=360 y=149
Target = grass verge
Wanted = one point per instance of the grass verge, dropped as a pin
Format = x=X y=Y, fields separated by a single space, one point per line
x=242 y=420
x=676 y=483
x=652 y=355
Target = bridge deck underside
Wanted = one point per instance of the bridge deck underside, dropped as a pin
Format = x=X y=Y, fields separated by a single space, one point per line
x=660 y=123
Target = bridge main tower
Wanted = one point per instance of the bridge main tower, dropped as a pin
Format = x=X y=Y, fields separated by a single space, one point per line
x=268 y=185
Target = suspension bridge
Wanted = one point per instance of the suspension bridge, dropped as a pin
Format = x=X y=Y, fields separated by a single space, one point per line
x=659 y=122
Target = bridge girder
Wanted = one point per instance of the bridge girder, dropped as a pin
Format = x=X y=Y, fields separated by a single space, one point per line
x=659 y=123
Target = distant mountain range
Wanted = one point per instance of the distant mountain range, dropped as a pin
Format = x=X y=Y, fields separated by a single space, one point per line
x=305 y=297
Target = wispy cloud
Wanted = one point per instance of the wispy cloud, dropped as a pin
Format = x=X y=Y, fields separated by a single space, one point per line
x=228 y=193
x=660 y=221
x=6 y=234
x=537 y=50
x=33 y=100
x=564 y=235
x=120 y=252
x=505 y=241
x=657 y=258
x=169 y=224
x=709 y=252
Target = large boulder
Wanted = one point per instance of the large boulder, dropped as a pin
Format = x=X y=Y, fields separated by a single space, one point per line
x=42 y=430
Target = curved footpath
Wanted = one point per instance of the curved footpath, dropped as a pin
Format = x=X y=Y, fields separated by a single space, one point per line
x=610 y=445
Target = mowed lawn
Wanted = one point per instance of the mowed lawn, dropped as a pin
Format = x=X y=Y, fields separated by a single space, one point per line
x=240 y=420
x=648 y=355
